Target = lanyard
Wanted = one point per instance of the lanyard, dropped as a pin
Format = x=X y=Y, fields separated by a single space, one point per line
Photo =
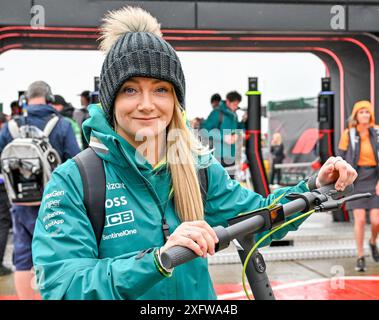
x=165 y=225
x=165 y=229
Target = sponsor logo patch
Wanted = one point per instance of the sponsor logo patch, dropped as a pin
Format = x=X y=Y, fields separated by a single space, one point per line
x=119 y=218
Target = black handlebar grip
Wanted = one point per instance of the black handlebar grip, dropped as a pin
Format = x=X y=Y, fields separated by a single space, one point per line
x=330 y=189
x=177 y=255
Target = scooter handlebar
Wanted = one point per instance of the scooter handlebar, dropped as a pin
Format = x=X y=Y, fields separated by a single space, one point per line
x=331 y=191
x=177 y=255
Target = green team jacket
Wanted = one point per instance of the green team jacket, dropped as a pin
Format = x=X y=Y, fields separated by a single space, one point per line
x=228 y=126
x=67 y=260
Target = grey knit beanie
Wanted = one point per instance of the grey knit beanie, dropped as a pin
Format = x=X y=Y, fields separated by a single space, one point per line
x=135 y=47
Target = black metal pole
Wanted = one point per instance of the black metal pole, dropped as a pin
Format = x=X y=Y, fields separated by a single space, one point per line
x=255 y=269
x=325 y=117
x=253 y=139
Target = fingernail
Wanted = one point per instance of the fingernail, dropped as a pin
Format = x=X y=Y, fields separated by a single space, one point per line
x=216 y=240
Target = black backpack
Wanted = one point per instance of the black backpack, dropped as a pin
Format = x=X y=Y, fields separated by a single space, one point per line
x=93 y=177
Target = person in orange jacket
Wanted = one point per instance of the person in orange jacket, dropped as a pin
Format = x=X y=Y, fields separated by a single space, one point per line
x=359 y=146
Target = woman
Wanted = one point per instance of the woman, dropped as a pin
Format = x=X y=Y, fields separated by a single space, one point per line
x=277 y=152
x=151 y=161
x=359 y=146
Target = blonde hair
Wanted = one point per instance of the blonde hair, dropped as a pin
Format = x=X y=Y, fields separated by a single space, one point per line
x=276 y=138
x=363 y=104
x=352 y=121
x=183 y=150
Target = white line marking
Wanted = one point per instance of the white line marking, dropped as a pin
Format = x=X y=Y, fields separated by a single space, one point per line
x=239 y=294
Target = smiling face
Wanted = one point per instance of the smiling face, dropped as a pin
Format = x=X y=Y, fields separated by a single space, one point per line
x=363 y=116
x=143 y=108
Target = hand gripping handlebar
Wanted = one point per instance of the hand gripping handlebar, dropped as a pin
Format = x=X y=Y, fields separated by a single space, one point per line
x=322 y=199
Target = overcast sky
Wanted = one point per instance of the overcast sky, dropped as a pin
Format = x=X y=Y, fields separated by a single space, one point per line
x=281 y=75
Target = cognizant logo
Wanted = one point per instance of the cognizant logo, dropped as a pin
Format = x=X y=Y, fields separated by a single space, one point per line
x=119 y=218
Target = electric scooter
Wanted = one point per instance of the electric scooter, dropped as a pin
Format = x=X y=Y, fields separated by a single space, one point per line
x=242 y=229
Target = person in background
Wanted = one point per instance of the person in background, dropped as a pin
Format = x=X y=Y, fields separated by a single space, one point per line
x=215 y=100
x=5 y=215
x=81 y=114
x=224 y=119
x=39 y=112
x=67 y=110
x=359 y=146
x=3 y=119
x=277 y=153
x=16 y=110
x=195 y=123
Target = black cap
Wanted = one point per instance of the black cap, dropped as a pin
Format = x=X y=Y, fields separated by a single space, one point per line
x=59 y=100
x=86 y=94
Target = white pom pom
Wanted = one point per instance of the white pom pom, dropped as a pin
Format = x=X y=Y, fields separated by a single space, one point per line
x=128 y=19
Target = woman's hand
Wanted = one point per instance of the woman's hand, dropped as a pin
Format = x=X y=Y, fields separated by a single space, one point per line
x=377 y=188
x=195 y=235
x=337 y=170
x=230 y=138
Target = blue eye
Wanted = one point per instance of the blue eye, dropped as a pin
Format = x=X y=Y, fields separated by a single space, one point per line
x=162 y=90
x=129 y=90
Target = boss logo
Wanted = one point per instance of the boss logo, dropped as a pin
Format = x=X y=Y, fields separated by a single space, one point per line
x=119 y=218
x=115 y=202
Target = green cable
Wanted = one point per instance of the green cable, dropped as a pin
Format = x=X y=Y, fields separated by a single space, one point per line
x=264 y=238
x=270 y=206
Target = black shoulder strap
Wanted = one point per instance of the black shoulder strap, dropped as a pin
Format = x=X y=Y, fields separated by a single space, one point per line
x=376 y=142
x=93 y=176
x=203 y=179
x=220 y=119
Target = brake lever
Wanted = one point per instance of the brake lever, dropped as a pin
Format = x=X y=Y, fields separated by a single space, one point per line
x=337 y=204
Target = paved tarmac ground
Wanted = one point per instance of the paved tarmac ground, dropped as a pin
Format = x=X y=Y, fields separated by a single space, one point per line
x=321 y=279
x=295 y=274
x=305 y=275
x=302 y=270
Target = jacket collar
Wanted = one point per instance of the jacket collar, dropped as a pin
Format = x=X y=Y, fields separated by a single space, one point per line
x=40 y=109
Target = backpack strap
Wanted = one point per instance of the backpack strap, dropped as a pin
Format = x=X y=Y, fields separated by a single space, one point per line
x=13 y=128
x=93 y=176
x=220 y=119
x=352 y=134
x=50 y=125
